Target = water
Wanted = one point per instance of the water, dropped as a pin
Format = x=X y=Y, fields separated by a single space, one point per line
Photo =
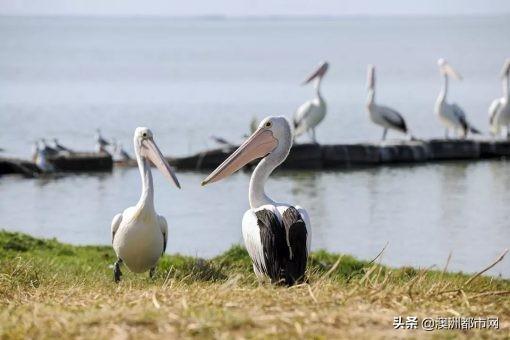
x=190 y=78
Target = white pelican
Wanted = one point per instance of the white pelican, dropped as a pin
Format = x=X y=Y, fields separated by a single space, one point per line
x=382 y=115
x=277 y=235
x=101 y=143
x=451 y=115
x=311 y=113
x=499 y=111
x=139 y=234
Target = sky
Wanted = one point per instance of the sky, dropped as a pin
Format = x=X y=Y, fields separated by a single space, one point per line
x=253 y=7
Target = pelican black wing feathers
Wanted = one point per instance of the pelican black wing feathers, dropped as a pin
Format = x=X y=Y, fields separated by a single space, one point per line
x=296 y=265
x=285 y=262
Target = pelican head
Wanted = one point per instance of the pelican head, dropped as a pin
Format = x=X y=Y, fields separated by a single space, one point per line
x=318 y=73
x=505 y=72
x=446 y=69
x=370 y=76
x=272 y=137
x=146 y=148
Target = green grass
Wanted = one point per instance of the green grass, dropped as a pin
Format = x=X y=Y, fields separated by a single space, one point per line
x=49 y=289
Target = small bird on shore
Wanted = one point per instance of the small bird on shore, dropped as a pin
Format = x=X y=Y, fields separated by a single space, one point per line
x=312 y=112
x=277 y=235
x=139 y=234
x=101 y=143
x=119 y=154
x=383 y=116
x=499 y=111
x=451 y=115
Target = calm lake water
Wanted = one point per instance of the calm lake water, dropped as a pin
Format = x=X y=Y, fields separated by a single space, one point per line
x=190 y=78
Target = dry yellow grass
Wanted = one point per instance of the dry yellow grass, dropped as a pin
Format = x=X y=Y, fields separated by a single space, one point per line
x=50 y=290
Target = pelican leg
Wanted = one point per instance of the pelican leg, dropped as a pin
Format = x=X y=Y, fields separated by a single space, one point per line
x=151 y=272
x=446 y=133
x=116 y=271
x=385 y=131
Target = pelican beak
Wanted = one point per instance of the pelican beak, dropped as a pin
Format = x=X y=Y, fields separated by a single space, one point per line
x=151 y=151
x=451 y=72
x=259 y=144
x=318 y=73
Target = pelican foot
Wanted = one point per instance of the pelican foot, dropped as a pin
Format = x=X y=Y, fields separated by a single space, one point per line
x=151 y=272
x=116 y=271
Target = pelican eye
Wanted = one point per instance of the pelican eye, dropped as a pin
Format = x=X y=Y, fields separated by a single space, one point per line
x=144 y=134
x=268 y=124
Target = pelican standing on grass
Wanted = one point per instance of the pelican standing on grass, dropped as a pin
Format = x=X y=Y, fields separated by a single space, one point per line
x=277 y=235
x=139 y=234
x=451 y=115
x=499 y=111
x=311 y=113
x=383 y=116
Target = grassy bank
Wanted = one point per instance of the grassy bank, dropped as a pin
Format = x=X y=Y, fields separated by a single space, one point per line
x=49 y=289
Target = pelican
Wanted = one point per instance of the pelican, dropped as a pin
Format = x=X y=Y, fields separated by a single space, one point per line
x=101 y=143
x=383 y=116
x=311 y=113
x=277 y=235
x=499 y=111
x=451 y=115
x=139 y=234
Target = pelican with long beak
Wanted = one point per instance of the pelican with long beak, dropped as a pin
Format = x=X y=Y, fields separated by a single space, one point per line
x=277 y=235
x=383 y=116
x=312 y=112
x=499 y=111
x=451 y=115
x=139 y=234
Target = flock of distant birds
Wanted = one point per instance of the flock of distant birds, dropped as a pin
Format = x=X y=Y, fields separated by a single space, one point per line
x=310 y=114
x=42 y=151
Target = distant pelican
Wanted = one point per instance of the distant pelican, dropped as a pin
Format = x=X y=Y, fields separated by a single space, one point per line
x=139 y=234
x=451 y=115
x=383 y=116
x=312 y=112
x=499 y=111
x=277 y=235
x=101 y=143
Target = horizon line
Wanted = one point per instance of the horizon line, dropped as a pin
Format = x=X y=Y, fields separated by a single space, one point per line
x=257 y=17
